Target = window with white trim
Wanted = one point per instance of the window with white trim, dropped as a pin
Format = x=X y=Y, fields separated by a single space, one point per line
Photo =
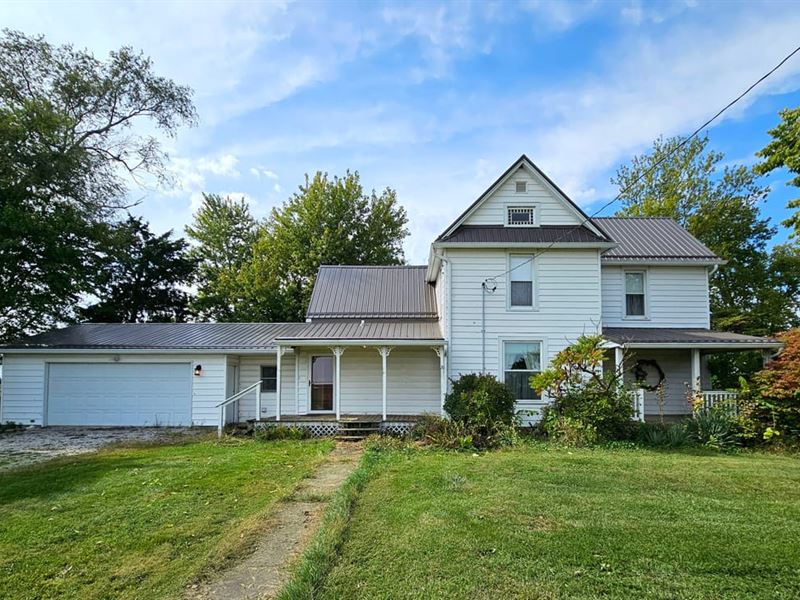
x=521 y=216
x=521 y=361
x=634 y=294
x=269 y=378
x=521 y=187
x=520 y=281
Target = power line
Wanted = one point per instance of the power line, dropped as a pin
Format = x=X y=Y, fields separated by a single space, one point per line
x=651 y=168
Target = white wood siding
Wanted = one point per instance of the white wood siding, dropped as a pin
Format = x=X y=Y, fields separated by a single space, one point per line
x=412 y=381
x=567 y=285
x=24 y=387
x=551 y=209
x=674 y=296
x=250 y=372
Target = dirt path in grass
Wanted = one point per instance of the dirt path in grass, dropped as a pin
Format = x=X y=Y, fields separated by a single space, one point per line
x=263 y=573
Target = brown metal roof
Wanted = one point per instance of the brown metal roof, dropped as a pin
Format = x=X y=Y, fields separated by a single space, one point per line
x=688 y=337
x=658 y=238
x=389 y=292
x=220 y=336
x=470 y=234
x=160 y=336
x=408 y=329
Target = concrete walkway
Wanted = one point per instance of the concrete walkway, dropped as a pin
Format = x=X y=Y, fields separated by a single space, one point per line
x=263 y=573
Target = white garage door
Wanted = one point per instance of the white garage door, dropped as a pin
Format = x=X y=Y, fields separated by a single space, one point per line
x=119 y=394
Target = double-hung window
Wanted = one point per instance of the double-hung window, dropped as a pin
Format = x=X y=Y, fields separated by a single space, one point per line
x=521 y=360
x=269 y=378
x=521 y=281
x=635 y=294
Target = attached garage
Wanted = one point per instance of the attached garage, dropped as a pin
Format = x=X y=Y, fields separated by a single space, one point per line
x=123 y=394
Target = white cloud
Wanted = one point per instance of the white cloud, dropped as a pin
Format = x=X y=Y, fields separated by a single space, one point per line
x=260 y=172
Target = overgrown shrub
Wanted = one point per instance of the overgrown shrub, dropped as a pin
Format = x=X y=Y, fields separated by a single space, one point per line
x=588 y=405
x=481 y=411
x=280 y=432
x=457 y=435
x=480 y=400
x=770 y=404
x=713 y=429
x=675 y=435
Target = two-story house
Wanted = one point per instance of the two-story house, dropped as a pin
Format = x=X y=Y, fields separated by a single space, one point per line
x=520 y=275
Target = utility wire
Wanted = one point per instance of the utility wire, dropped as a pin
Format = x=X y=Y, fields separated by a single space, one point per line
x=648 y=170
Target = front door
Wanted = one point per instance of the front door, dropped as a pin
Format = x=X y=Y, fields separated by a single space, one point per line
x=321 y=383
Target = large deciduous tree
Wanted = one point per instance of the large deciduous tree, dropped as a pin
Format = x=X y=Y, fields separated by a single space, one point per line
x=144 y=278
x=224 y=232
x=757 y=291
x=328 y=221
x=784 y=152
x=68 y=151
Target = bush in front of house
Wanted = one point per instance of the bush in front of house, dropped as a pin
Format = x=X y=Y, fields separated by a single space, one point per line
x=769 y=405
x=482 y=415
x=281 y=432
x=587 y=404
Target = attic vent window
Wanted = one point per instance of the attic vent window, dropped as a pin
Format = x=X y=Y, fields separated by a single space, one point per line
x=521 y=216
x=522 y=187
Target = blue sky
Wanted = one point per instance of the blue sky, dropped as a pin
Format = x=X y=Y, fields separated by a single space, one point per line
x=437 y=99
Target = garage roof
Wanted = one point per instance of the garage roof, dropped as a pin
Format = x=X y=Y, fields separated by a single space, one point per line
x=159 y=336
x=219 y=336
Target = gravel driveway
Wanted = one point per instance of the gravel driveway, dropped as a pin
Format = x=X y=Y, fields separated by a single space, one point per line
x=19 y=448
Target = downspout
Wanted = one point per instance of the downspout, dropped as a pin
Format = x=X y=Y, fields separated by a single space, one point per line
x=483 y=327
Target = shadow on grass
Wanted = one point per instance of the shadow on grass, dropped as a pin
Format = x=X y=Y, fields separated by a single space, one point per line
x=60 y=475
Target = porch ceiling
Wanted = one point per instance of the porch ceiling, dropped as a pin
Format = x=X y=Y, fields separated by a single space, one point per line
x=661 y=337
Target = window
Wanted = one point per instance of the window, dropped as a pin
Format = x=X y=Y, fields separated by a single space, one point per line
x=521 y=216
x=634 y=294
x=522 y=359
x=521 y=277
x=521 y=187
x=269 y=378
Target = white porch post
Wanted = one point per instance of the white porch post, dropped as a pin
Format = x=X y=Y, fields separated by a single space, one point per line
x=337 y=352
x=442 y=354
x=278 y=355
x=696 y=385
x=296 y=382
x=384 y=351
x=618 y=358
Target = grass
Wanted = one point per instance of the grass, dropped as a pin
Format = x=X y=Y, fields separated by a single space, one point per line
x=320 y=556
x=140 y=522
x=547 y=522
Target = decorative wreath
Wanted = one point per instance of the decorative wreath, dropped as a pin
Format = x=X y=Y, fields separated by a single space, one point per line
x=641 y=373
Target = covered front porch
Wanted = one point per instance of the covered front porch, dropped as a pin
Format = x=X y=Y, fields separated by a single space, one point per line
x=359 y=371
x=668 y=368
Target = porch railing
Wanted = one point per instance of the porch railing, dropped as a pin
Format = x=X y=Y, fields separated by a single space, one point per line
x=637 y=398
x=725 y=402
x=221 y=406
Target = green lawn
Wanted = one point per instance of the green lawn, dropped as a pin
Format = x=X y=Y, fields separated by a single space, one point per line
x=544 y=522
x=140 y=522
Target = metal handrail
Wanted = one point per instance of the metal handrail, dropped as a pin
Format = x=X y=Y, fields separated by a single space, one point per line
x=221 y=406
x=238 y=395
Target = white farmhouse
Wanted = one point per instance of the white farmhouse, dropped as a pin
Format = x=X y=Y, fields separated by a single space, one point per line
x=521 y=274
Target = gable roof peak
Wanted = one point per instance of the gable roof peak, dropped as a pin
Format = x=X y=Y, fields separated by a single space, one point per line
x=523 y=160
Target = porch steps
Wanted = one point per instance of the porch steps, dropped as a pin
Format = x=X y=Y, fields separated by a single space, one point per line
x=357 y=429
